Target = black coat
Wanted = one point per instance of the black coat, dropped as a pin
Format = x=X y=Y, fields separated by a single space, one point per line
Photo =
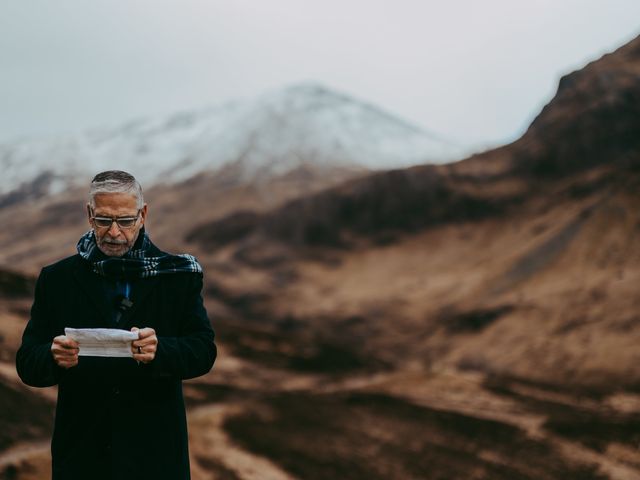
x=115 y=418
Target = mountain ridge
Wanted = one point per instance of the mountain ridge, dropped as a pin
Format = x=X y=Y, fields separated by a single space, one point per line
x=261 y=138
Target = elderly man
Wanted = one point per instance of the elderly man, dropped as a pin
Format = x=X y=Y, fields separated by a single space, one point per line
x=119 y=418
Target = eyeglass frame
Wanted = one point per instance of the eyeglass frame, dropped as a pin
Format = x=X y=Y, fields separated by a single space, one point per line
x=115 y=219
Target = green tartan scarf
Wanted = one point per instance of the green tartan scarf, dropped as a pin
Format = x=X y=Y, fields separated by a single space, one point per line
x=144 y=260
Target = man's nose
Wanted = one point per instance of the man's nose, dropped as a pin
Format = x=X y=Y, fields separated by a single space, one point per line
x=114 y=230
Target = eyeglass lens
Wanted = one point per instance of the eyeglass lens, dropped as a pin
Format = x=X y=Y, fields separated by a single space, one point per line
x=123 y=222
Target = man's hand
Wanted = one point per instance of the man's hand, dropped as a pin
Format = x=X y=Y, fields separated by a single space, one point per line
x=65 y=351
x=144 y=349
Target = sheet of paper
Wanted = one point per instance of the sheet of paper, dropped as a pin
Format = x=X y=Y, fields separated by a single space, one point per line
x=102 y=342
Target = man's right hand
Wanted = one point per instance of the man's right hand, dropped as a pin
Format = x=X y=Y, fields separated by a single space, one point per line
x=65 y=351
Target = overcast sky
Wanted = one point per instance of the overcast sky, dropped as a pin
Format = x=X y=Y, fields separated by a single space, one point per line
x=476 y=72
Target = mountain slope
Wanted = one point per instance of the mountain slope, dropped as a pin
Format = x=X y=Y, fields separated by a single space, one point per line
x=592 y=124
x=593 y=119
x=510 y=262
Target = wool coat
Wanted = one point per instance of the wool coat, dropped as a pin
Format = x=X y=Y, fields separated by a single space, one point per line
x=117 y=418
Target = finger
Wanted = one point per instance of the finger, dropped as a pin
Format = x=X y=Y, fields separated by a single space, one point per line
x=65 y=360
x=143 y=348
x=146 y=342
x=144 y=357
x=145 y=351
x=67 y=348
x=146 y=332
x=57 y=350
x=67 y=364
x=65 y=354
x=136 y=344
x=65 y=342
x=136 y=330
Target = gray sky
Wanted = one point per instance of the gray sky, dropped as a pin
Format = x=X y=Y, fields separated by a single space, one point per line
x=476 y=72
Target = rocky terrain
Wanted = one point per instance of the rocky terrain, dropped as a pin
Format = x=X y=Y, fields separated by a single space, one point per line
x=471 y=320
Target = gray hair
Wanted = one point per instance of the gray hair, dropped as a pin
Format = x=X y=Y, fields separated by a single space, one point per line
x=115 y=181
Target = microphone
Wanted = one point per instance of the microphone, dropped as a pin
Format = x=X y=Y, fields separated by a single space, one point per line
x=122 y=304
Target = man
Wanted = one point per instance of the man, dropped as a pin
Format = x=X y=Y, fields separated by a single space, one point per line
x=119 y=418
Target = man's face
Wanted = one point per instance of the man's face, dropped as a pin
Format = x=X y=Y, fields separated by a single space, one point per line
x=115 y=241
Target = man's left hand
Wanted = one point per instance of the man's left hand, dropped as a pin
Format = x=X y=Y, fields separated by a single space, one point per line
x=144 y=349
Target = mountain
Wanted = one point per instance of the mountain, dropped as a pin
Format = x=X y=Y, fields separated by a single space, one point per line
x=250 y=140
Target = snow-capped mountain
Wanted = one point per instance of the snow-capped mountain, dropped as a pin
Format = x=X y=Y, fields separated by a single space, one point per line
x=261 y=138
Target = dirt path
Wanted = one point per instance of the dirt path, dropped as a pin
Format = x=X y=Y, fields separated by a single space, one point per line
x=209 y=444
x=206 y=425
x=463 y=393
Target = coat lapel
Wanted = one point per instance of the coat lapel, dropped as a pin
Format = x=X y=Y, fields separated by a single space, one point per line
x=139 y=295
x=91 y=284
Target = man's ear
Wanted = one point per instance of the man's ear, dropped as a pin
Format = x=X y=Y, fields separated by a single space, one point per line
x=143 y=213
x=89 y=214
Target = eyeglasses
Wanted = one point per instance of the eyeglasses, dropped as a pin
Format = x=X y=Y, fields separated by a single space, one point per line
x=122 y=222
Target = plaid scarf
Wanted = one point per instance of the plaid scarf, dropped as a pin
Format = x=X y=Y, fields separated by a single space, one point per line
x=144 y=260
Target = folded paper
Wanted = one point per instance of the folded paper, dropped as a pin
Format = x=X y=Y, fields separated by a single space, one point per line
x=102 y=342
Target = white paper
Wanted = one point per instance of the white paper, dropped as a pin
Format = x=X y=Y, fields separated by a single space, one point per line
x=102 y=342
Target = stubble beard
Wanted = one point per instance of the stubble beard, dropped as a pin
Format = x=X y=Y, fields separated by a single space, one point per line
x=113 y=247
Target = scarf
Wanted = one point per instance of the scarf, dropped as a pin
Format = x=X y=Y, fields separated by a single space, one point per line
x=144 y=260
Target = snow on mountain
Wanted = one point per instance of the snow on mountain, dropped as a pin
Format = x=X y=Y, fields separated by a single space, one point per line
x=263 y=137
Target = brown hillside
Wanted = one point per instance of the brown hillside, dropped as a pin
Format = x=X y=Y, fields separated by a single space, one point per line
x=459 y=258
x=501 y=287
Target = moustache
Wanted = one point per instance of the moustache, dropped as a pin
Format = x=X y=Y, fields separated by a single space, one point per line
x=107 y=239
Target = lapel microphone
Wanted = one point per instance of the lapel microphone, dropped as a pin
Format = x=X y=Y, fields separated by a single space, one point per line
x=122 y=304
